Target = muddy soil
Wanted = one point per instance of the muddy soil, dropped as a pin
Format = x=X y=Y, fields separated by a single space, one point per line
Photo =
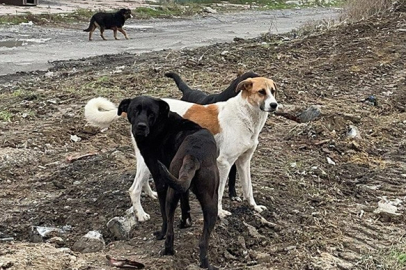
x=321 y=185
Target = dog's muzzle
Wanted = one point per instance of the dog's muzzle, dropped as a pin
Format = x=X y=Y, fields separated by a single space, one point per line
x=142 y=129
x=270 y=108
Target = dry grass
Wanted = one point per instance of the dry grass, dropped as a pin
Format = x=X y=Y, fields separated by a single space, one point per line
x=355 y=10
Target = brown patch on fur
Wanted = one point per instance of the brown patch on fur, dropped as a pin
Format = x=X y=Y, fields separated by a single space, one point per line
x=205 y=116
x=123 y=114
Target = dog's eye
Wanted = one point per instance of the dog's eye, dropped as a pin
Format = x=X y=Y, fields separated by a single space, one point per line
x=273 y=91
x=262 y=92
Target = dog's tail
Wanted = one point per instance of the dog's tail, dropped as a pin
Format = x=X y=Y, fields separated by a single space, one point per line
x=90 y=25
x=100 y=112
x=186 y=173
x=179 y=82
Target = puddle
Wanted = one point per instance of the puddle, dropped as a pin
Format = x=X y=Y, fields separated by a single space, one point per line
x=24 y=42
x=11 y=43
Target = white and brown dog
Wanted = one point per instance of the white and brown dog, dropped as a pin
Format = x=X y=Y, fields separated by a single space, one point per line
x=235 y=124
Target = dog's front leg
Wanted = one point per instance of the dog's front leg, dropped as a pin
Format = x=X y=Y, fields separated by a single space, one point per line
x=224 y=166
x=162 y=201
x=123 y=32
x=244 y=171
x=115 y=33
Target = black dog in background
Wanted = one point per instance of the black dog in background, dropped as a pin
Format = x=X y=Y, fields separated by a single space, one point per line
x=113 y=21
x=165 y=139
x=199 y=97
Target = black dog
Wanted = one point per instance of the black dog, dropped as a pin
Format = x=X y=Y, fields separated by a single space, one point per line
x=113 y=21
x=199 y=97
x=165 y=139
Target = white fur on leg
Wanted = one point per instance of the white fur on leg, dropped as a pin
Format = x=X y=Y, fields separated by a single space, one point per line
x=140 y=180
x=244 y=171
x=147 y=189
x=224 y=167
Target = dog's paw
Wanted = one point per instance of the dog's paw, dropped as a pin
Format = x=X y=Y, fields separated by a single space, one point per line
x=141 y=217
x=159 y=235
x=224 y=213
x=236 y=199
x=153 y=195
x=232 y=193
x=259 y=208
x=168 y=252
x=185 y=223
x=205 y=264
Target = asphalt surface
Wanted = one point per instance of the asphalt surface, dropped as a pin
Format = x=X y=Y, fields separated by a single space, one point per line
x=29 y=47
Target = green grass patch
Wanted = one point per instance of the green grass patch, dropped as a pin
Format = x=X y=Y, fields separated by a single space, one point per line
x=5 y=116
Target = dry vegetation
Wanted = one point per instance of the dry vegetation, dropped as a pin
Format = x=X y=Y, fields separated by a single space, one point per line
x=356 y=10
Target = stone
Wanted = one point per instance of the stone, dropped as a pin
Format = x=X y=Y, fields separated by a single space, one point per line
x=91 y=242
x=121 y=227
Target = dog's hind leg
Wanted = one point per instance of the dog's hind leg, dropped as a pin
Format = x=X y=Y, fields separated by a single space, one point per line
x=209 y=207
x=244 y=171
x=172 y=199
x=186 y=219
x=102 y=33
x=91 y=30
x=232 y=193
x=123 y=32
x=148 y=190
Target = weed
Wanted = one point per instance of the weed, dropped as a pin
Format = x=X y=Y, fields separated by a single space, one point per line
x=5 y=116
x=355 y=10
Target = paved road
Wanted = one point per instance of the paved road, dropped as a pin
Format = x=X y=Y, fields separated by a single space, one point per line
x=31 y=47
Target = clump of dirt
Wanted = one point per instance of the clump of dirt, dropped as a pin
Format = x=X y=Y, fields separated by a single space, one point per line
x=320 y=183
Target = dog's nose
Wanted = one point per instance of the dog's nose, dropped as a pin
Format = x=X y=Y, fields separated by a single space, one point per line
x=273 y=105
x=142 y=126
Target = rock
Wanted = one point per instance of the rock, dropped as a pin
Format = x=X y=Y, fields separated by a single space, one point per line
x=353 y=132
x=75 y=138
x=91 y=242
x=330 y=161
x=309 y=114
x=387 y=210
x=209 y=10
x=262 y=257
x=121 y=227
x=57 y=241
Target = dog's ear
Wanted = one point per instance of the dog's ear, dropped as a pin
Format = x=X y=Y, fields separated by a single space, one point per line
x=123 y=107
x=244 y=85
x=163 y=108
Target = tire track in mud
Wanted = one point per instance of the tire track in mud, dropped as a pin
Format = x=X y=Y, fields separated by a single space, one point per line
x=364 y=233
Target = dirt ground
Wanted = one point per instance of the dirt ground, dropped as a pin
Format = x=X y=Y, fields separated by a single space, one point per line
x=321 y=186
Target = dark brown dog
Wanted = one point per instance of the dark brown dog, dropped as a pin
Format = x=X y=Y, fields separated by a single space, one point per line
x=165 y=139
x=113 y=21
